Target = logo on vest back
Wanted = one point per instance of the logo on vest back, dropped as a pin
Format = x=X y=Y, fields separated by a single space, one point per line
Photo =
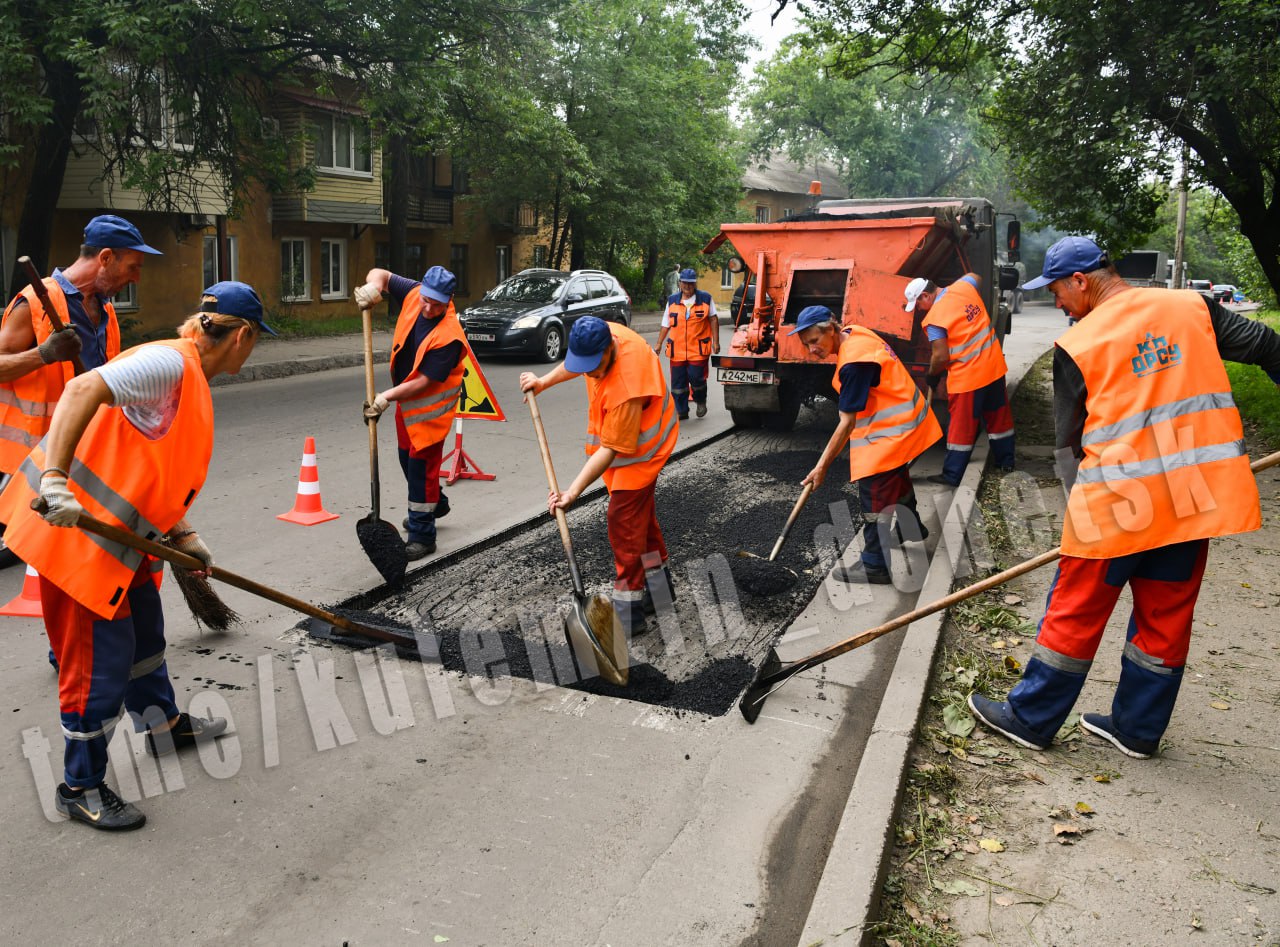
x=970 y=312
x=1155 y=354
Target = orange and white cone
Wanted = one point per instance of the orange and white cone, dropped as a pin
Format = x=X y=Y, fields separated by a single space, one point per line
x=307 y=509
x=27 y=603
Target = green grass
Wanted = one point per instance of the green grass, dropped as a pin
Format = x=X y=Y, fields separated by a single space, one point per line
x=1256 y=395
x=291 y=327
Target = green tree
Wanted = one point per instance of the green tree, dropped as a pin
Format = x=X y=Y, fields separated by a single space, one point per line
x=1095 y=97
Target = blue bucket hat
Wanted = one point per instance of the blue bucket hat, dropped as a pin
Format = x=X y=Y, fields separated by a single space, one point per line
x=438 y=284
x=234 y=299
x=811 y=316
x=115 y=233
x=688 y=276
x=588 y=339
x=1069 y=255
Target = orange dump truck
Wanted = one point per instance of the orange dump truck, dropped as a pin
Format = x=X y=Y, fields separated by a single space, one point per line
x=854 y=257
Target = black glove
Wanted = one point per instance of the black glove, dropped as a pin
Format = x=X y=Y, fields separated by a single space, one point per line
x=61 y=346
x=933 y=381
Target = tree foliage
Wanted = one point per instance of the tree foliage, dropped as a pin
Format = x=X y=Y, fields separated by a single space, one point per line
x=1096 y=99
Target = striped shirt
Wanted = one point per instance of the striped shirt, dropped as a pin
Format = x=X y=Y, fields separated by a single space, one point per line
x=146 y=386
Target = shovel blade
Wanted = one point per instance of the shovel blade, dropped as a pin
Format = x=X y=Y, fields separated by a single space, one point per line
x=384 y=547
x=760 y=686
x=597 y=639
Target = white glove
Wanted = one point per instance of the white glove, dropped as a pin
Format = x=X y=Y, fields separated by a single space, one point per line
x=374 y=410
x=368 y=296
x=191 y=543
x=63 y=509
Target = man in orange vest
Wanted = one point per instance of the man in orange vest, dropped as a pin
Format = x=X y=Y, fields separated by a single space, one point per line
x=129 y=444
x=963 y=345
x=631 y=431
x=886 y=423
x=426 y=379
x=1142 y=403
x=35 y=361
x=691 y=332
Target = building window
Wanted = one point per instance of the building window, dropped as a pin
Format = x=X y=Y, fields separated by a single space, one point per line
x=209 y=260
x=786 y=211
x=726 y=278
x=414 y=255
x=460 y=182
x=458 y=266
x=762 y=213
x=502 y=263
x=343 y=145
x=127 y=299
x=540 y=254
x=333 y=269
x=295 y=270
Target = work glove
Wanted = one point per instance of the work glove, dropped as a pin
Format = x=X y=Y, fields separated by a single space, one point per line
x=933 y=381
x=61 y=346
x=61 y=506
x=368 y=296
x=373 y=410
x=191 y=543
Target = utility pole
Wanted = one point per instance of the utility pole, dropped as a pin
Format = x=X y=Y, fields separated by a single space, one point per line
x=1180 y=236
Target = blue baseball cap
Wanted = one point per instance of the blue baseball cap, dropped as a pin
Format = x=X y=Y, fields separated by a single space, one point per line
x=1069 y=255
x=234 y=299
x=588 y=339
x=438 y=284
x=688 y=276
x=115 y=233
x=811 y=316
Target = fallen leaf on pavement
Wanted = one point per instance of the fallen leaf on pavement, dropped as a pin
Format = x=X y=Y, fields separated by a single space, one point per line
x=1012 y=664
x=998 y=644
x=957 y=720
x=1220 y=705
x=1004 y=900
x=1013 y=599
x=958 y=886
x=1101 y=778
x=1084 y=808
x=991 y=845
x=1061 y=828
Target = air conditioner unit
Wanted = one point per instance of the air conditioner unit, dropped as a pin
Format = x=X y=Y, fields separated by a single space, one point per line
x=199 y=220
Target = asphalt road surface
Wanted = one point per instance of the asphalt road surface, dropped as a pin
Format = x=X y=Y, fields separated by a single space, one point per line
x=368 y=799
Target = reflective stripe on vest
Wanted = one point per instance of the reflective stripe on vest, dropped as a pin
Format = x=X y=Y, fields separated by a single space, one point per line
x=974 y=353
x=666 y=421
x=911 y=424
x=986 y=337
x=1164 y=454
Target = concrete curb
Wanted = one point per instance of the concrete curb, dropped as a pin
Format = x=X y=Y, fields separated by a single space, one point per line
x=298 y=366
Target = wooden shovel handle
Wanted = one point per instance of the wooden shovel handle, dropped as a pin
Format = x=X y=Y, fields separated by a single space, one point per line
x=169 y=554
x=42 y=292
x=370 y=388
x=550 y=469
x=795 y=512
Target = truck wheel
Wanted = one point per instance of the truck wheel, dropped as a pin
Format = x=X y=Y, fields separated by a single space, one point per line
x=788 y=408
x=747 y=420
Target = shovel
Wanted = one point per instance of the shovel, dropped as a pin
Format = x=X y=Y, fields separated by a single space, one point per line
x=773 y=674
x=181 y=559
x=33 y=275
x=379 y=539
x=591 y=623
x=786 y=529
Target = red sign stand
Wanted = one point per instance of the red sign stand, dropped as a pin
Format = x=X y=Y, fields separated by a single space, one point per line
x=458 y=465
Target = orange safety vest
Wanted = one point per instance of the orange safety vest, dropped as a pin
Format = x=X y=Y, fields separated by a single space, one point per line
x=27 y=403
x=896 y=426
x=976 y=358
x=428 y=417
x=123 y=478
x=636 y=373
x=689 y=335
x=1164 y=456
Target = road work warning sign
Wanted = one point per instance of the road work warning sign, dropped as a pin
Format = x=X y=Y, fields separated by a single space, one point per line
x=476 y=399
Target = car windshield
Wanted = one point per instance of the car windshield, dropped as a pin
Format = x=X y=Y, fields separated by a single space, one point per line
x=528 y=289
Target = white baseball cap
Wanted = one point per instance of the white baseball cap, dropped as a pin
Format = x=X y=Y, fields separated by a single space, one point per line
x=913 y=291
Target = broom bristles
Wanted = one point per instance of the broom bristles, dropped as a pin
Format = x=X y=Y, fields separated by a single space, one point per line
x=206 y=607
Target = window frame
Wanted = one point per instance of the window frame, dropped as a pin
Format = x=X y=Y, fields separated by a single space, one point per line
x=502 y=263
x=726 y=277
x=306 y=270
x=329 y=121
x=459 y=264
x=762 y=213
x=326 y=272
x=127 y=299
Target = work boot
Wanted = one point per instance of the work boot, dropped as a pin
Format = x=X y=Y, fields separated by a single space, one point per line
x=702 y=409
x=997 y=716
x=1101 y=725
x=684 y=416
x=98 y=807
x=419 y=550
x=861 y=572
x=188 y=731
x=924 y=533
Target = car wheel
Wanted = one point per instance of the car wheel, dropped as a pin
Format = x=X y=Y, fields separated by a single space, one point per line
x=552 y=343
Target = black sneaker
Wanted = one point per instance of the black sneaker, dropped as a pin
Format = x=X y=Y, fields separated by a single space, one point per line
x=683 y=417
x=1100 y=725
x=995 y=715
x=416 y=550
x=941 y=481
x=100 y=808
x=860 y=572
x=702 y=410
x=188 y=731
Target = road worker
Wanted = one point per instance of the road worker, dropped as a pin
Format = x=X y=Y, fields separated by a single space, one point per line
x=426 y=378
x=963 y=345
x=631 y=432
x=130 y=444
x=35 y=361
x=1143 y=405
x=886 y=423
x=691 y=333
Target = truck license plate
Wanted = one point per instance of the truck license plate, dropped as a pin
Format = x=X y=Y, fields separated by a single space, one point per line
x=739 y=376
x=481 y=336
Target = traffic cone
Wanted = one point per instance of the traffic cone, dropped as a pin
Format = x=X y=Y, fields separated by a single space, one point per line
x=307 y=509
x=27 y=603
